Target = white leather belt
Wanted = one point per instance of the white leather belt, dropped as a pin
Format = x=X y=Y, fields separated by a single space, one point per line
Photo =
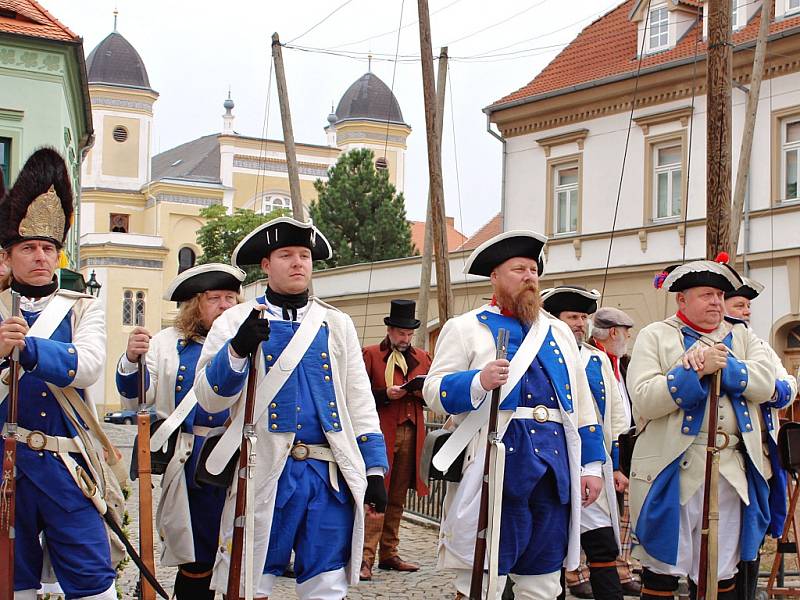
x=725 y=441
x=303 y=451
x=539 y=413
x=201 y=430
x=40 y=441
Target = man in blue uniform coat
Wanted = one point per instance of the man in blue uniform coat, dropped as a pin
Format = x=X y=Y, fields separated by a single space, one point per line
x=61 y=340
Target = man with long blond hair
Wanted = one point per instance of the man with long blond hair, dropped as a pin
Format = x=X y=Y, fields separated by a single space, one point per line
x=189 y=513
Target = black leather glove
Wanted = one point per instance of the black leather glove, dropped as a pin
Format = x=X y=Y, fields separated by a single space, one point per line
x=252 y=332
x=376 y=493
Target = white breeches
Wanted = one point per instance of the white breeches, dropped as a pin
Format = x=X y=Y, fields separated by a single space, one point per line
x=594 y=517
x=330 y=585
x=109 y=594
x=730 y=518
x=526 y=587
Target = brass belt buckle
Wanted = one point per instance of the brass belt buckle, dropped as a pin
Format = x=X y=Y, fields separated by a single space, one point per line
x=36 y=440
x=541 y=414
x=726 y=440
x=300 y=451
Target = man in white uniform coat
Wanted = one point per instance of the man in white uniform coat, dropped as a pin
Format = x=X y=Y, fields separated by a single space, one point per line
x=553 y=443
x=188 y=512
x=320 y=454
x=669 y=380
x=599 y=521
x=737 y=306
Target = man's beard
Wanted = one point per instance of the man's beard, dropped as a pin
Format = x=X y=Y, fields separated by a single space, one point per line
x=525 y=304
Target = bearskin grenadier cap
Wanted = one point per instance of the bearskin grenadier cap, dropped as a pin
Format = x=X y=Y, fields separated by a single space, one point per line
x=40 y=205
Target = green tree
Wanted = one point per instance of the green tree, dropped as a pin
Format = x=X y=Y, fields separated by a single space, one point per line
x=360 y=212
x=223 y=232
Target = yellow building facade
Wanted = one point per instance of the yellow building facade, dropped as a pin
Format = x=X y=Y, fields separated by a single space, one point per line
x=140 y=213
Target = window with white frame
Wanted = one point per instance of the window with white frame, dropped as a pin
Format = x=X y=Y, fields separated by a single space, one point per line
x=667 y=180
x=658 y=38
x=792 y=5
x=565 y=198
x=272 y=202
x=791 y=158
x=735 y=14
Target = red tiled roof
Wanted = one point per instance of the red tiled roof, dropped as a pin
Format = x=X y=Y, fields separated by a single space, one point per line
x=488 y=231
x=608 y=47
x=32 y=20
x=454 y=237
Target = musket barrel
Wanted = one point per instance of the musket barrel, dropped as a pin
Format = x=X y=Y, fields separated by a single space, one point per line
x=145 y=483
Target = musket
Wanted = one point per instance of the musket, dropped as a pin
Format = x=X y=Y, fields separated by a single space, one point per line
x=709 y=539
x=9 y=484
x=245 y=472
x=493 y=440
x=145 y=483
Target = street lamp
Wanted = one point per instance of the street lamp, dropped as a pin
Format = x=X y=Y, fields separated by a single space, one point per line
x=93 y=285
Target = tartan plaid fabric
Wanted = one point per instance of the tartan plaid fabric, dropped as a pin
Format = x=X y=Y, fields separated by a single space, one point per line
x=624 y=569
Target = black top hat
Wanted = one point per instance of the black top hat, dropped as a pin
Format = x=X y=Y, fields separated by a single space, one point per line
x=280 y=233
x=39 y=206
x=202 y=278
x=570 y=297
x=401 y=314
x=500 y=248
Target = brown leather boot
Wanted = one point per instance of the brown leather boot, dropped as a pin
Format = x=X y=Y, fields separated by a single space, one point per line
x=395 y=563
x=366 y=571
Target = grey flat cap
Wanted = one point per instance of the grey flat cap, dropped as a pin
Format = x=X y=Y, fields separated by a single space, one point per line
x=608 y=317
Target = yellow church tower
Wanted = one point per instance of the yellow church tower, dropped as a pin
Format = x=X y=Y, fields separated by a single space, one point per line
x=369 y=116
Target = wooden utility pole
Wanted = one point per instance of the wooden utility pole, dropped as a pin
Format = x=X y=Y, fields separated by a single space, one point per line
x=288 y=134
x=718 y=132
x=743 y=169
x=427 y=251
x=443 y=290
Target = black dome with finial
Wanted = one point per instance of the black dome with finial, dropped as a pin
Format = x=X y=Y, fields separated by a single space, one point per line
x=369 y=98
x=116 y=62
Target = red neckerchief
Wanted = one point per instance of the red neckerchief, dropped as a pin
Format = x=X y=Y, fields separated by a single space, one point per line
x=683 y=318
x=614 y=359
x=503 y=311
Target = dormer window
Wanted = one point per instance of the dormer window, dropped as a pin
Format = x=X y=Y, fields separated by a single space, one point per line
x=658 y=37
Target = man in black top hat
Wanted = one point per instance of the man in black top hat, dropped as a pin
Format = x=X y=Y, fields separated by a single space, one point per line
x=390 y=365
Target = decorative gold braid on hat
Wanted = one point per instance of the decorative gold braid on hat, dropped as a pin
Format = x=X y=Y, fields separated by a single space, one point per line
x=44 y=217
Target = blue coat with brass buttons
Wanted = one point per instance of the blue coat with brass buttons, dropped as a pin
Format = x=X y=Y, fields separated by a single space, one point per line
x=331 y=403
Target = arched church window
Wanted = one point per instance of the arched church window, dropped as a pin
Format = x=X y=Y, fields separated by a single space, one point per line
x=127 y=308
x=140 y=309
x=272 y=202
x=186 y=259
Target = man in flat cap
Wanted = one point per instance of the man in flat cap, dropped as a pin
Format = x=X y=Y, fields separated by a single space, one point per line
x=390 y=365
x=737 y=306
x=320 y=454
x=670 y=375
x=553 y=443
x=600 y=521
x=188 y=513
x=61 y=342
x=611 y=332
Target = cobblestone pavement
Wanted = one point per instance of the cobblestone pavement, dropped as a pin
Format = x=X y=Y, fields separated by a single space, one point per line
x=417 y=543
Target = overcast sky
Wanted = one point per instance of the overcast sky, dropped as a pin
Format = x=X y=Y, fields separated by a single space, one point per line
x=195 y=50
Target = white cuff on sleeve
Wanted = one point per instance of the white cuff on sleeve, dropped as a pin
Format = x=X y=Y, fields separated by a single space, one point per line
x=375 y=471
x=237 y=364
x=476 y=391
x=592 y=469
x=127 y=367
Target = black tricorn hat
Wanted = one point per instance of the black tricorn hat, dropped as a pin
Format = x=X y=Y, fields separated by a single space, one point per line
x=751 y=289
x=280 y=233
x=570 y=297
x=402 y=314
x=202 y=278
x=715 y=273
x=500 y=248
x=40 y=205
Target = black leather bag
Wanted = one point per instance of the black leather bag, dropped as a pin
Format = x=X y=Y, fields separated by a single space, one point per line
x=627 y=441
x=433 y=443
x=201 y=474
x=158 y=460
x=789 y=446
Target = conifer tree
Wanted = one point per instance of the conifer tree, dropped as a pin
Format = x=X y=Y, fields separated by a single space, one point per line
x=360 y=212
